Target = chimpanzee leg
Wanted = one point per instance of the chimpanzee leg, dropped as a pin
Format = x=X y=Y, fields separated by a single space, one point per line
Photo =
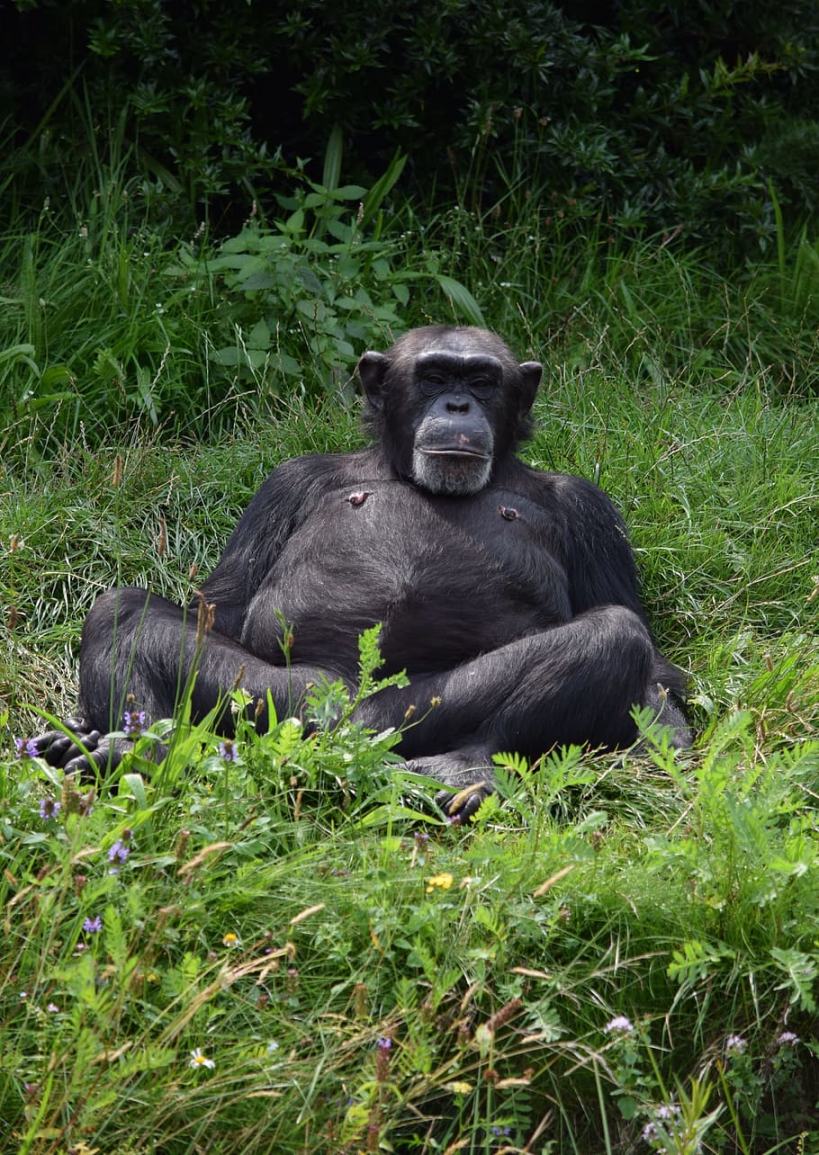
x=139 y=652
x=575 y=683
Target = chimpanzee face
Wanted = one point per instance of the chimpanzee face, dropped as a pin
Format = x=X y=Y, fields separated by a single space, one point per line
x=447 y=403
x=453 y=446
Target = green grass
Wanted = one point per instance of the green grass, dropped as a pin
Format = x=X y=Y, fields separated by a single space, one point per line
x=677 y=891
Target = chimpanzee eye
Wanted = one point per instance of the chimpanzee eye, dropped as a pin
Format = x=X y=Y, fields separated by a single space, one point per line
x=431 y=382
x=482 y=388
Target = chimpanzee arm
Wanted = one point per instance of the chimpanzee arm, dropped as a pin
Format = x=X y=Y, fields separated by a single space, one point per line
x=280 y=506
x=598 y=557
x=602 y=571
x=136 y=644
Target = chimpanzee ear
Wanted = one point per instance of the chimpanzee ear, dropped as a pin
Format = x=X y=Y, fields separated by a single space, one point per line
x=371 y=369
x=530 y=374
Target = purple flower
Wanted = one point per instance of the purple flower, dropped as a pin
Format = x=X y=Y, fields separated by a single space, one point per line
x=118 y=852
x=93 y=925
x=650 y=1132
x=620 y=1024
x=384 y=1044
x=52 y=1008
x=735 y=1045
x=133 y=721
x=228 y=751
x=788 y=1039
x=26 y=748
x=49 y=808
x=668 y=1111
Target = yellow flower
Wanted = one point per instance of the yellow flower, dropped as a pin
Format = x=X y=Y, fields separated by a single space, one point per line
x=459 y=1087
x=440 y=881
x=230 y=939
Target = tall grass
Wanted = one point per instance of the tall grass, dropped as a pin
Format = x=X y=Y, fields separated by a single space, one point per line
x=619 y=954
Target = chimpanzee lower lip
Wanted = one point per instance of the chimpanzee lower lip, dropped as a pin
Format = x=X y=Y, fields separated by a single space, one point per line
x=455 y=452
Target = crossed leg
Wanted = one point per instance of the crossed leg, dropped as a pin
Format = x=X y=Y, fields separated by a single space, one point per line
x=574 y=683
x=140 y=652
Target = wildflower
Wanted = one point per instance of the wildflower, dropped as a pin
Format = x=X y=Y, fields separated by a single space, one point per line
x=383 y=1047
x=502 y=1131
x=228 y=751
x=118 y=852
x=134 y=721
x=49 y=808
x=787 y=1039
x=620 y=1024
x=26 y=748
x=272 y=1047
x=459 y=1087
x=650 y=1132
x=668 y=1111
x=198 y=1059
x=230 y=939
x=23 y=996
x=440 y=881
x=735 y=1045
x=52 y=1008
x=93 y=925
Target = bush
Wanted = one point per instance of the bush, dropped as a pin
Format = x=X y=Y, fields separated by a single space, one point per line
x=659 y=116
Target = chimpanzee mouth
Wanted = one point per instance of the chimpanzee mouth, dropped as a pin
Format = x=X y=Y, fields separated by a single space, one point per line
x=455 y=451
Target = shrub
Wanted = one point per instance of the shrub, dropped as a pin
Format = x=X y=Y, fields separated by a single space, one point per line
x=660 y=116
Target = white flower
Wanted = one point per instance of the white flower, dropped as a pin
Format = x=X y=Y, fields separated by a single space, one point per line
x=620 y=1024
x=200 y=1060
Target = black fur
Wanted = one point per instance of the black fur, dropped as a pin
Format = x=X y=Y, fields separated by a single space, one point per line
x=509 y=594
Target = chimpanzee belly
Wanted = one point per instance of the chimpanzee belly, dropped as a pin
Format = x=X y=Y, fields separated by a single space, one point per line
x=448 y=577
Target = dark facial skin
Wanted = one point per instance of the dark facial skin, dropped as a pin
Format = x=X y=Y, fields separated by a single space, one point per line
x=448 y=404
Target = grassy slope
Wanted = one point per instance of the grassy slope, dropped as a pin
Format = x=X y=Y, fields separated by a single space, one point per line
x=688 y=902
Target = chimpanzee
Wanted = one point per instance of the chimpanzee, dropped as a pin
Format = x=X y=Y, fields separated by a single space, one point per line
x=508 y=595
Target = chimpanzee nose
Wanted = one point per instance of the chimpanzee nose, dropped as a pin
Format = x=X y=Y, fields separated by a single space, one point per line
x=457 y=406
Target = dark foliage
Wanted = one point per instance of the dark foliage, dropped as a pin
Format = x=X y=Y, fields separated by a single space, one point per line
x=671 y=115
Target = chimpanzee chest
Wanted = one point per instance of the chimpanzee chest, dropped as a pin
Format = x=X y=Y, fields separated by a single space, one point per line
x=448 y=577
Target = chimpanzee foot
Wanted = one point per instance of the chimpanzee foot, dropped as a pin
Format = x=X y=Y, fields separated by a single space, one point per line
x=668 y=714
x=58 y=748
x=469 y=775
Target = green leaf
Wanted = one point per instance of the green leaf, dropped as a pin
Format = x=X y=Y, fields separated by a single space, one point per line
x=332 y=158
x=380 y=190
x=461 y=300
x=259 y=336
